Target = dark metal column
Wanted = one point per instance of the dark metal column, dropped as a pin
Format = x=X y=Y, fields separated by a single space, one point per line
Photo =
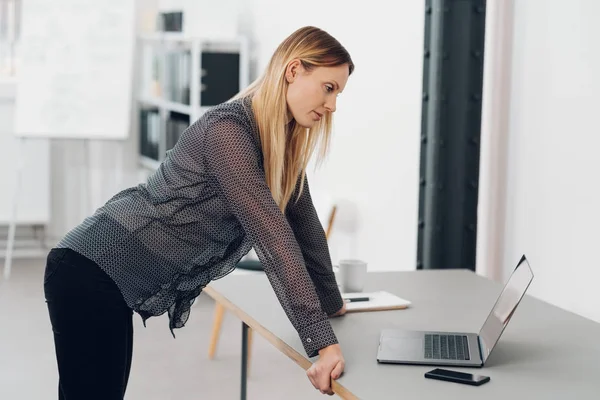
x=244 y=360
x=450 y=132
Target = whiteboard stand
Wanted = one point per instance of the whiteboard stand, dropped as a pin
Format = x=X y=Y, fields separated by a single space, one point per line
x=12 y=227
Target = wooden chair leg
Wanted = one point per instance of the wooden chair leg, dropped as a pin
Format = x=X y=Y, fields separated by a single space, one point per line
x=218 y=321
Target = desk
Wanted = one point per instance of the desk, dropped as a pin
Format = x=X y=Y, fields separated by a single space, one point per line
x=544 y=353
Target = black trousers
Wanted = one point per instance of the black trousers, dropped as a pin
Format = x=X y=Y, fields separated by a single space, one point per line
x=92 y=326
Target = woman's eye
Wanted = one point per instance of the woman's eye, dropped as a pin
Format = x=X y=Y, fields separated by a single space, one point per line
x=329 y=88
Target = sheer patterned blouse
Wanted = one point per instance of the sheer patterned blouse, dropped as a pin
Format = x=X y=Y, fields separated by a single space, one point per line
x=197 y=215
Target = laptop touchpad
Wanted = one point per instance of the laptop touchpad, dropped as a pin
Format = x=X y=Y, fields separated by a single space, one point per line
x=403 y=345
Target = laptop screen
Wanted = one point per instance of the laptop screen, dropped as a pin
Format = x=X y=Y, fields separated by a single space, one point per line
x=505 y=306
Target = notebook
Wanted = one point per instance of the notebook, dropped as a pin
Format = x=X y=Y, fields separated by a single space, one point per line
x=377 y=301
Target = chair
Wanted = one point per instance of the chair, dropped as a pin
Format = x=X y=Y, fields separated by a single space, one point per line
x=249 y=265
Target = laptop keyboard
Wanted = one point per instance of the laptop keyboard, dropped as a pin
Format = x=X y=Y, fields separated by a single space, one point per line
x=446 y=347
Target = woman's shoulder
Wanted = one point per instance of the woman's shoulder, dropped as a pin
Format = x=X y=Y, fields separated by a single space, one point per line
x=237 y=112
x=239 y=108
x=226 y=125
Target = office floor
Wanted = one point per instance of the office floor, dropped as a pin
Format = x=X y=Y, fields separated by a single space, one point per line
x=163 y=368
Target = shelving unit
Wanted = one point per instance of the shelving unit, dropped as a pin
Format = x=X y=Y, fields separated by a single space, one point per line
x=180 y=78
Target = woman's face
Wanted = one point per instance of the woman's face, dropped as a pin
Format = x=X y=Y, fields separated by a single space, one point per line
x=312 y=94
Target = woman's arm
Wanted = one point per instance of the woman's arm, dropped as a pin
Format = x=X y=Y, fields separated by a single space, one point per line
x=232 y=158
x=310 y=235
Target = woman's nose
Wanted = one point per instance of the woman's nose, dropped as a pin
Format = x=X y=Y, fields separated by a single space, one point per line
x=330 y=105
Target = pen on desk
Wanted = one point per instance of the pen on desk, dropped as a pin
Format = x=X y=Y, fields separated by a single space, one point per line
x=352 y=300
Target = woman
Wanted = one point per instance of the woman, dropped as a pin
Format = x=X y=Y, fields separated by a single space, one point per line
x=235 y=180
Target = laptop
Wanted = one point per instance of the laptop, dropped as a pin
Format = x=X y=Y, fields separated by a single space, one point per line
x=457 y=348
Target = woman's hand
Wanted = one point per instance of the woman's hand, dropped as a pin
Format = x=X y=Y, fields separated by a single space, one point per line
x=341 y=311
x=330 y=365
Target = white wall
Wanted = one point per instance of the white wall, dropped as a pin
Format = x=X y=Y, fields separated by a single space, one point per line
x=374 y=161
x=553 y=134
x=206 y=18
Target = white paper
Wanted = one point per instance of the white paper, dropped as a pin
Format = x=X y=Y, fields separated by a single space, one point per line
x=381 y=299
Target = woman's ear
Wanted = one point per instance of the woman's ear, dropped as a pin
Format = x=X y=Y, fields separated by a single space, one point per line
x=292 y=69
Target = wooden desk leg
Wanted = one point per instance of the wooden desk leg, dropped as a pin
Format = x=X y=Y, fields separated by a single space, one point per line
x=244 y=359
x=214 y=338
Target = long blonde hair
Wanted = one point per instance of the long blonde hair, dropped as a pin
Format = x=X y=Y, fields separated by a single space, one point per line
x=287 y=153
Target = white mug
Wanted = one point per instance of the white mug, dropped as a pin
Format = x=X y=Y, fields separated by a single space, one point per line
x=351 y=275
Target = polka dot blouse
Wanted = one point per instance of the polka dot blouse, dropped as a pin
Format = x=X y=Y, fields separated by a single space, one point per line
x=197 y=215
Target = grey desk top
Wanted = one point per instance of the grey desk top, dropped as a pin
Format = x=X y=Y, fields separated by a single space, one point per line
x=544 y=353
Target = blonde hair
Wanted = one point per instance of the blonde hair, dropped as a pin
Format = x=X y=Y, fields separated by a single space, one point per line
x=287 y=153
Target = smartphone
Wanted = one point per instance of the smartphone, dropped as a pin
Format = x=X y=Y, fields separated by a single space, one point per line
x=458 y=377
